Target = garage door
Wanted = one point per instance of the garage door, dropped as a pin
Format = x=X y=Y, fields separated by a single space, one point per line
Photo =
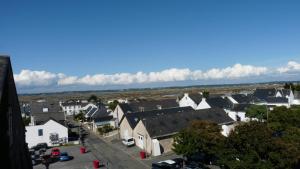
x=125 y=134
x=140 y=141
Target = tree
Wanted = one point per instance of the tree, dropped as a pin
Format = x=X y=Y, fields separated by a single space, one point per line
x=205 y=94
x=105 y=129
x=255 y=145
x=26 y=120
x=94 y=98
x=249 y=146
x=297 y=87
x=201 y=137
x=79 y=116
x=113 y=105
x=257 y=111
x=289 y=86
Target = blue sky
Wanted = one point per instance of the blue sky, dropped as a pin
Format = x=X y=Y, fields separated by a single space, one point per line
x=79 y=38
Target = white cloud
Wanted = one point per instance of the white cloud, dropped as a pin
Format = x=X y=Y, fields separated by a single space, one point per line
x=36 y=78
x=292 y=66
x=234 y=72
x=43 y=78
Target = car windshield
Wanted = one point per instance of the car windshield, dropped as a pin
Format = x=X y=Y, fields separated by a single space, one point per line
x=55 y=150
x=131 y=139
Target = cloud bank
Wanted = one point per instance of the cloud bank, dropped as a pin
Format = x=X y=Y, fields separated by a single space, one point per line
x=31 y=78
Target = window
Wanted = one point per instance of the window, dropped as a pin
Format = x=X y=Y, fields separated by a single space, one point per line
x=140 y=137
x=40 y=132
x=45 y=109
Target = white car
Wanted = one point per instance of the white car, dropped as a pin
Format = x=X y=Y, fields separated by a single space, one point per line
x=128 y=141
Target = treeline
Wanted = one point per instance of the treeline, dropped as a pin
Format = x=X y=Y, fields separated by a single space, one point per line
x=294 y=87
x=272 y=144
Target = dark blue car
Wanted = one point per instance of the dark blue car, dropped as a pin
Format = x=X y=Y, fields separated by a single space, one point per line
x=64 y=157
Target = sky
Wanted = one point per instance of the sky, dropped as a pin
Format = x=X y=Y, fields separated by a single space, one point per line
x=63 y=45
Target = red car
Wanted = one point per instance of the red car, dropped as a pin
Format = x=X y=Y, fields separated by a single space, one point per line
x=55 y=152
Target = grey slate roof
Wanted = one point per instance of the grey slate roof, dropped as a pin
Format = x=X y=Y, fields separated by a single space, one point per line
x=92 y=111
x=134 y=118
x=264 y=93
x=43 y=117
x=276 y=100
x=241 y=98
x=285 y=92
x=37 y=107
x=137 y=105
x=169 y=124
x=196 y=97
x=99 y=111
x=219 y=102
x=241 y=107
x=54 y=111
x=102 y=119
x=147 y=105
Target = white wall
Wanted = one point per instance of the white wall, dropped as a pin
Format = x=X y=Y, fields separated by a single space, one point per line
x=233 y=115
x=51 y=126
x=186 y=101
x=203 y=105
x=226 y=129
x=118 y=114
x=232 y=100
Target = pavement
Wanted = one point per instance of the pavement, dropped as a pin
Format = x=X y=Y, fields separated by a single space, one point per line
x=111 y=154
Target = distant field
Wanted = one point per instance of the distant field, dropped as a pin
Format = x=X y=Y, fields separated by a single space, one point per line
x=155 y=93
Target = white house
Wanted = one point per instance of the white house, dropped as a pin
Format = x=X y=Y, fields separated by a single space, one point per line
x=203 y=105
x=198 y=102
x=287 y=93
x=191 y=100
x=73 y=107
x=238 y=112
x=51 y=132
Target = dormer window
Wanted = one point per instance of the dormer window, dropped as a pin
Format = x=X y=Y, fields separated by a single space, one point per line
x=159 y=107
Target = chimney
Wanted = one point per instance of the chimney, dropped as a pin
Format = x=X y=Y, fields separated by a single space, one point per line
x=32 y=122
x=186 y=94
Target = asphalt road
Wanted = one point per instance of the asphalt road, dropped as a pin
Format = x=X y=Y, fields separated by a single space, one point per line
x=108 y=154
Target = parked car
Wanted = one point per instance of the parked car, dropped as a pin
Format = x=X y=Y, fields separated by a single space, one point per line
x=128 y=141
x=40 y=146
x=64 y=156
x=55 y=152
x=32 y=153
x=176 y=163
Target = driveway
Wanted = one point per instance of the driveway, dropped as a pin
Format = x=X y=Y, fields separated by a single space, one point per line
x=109 y=154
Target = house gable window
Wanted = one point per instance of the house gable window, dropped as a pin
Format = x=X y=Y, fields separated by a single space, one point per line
x=40 y=132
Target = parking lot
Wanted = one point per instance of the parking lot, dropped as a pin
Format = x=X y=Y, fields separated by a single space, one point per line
x=134 y=151
x=112 y=155
x=147 y=162
x=79 y=161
